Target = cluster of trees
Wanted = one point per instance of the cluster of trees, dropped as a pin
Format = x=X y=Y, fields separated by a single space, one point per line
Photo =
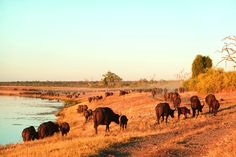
x=206 y=79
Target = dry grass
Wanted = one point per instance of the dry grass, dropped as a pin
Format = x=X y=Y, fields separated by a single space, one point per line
x=153 y=139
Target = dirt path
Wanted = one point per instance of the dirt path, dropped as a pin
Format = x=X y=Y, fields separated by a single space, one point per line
x=192 y=137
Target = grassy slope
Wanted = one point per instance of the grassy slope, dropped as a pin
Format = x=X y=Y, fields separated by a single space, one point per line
x=143 y=137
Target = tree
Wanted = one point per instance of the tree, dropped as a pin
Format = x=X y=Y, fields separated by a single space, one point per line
x=111 y=79
x=229 y=50
x=200 y=65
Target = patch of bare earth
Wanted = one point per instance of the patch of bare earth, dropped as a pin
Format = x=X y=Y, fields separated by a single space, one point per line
x=206 y=135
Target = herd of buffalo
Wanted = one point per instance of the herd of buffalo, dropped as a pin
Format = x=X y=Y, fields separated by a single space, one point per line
x=45 y=129
x=105 y=115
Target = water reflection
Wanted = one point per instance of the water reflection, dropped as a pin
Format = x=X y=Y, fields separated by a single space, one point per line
x=17 y=113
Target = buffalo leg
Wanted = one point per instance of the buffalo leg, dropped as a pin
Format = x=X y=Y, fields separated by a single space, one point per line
x=178 y=116
x=215 y=112
x=162 y=118
x=193 y=112
x=107 y=128
x=158 y=119
x=167 y=118
x=96 y=128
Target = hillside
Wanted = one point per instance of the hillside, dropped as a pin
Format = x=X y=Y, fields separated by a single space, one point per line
x=202 y=136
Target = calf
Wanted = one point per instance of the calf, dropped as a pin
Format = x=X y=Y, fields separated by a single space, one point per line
x=184 y=111
x=196 y=105
x=64 y=128
x=163 y=109
x=123 y=122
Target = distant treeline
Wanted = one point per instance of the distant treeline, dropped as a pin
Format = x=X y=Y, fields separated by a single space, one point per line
x=91 y=84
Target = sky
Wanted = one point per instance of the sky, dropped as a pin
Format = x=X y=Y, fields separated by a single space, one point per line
x=66 y=40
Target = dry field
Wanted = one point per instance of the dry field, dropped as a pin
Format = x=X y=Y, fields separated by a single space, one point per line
x=206 y=135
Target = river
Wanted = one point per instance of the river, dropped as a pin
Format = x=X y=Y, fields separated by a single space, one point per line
x=17 y=113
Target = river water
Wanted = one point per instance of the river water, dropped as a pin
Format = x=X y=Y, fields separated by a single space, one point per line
x=17 y=113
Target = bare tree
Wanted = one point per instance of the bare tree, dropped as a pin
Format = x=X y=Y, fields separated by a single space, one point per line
x=229 y=50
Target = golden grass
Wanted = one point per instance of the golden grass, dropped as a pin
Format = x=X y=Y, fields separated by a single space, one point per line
x=139 y=108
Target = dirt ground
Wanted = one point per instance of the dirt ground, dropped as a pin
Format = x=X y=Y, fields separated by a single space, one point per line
x=206 y=135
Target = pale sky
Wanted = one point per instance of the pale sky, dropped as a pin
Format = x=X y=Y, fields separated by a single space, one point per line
x=81 y=40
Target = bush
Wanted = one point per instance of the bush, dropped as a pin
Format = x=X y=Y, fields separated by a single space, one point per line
x=213 y=81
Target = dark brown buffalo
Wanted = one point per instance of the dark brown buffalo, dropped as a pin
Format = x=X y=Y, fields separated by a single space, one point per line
x=154 y=92
x=104 y=116
x=215 y=106
x=163 y=109
x=90 y=99
x=64 y=128
x=82 y=108
x=184 y=111
x=47 y=129
x=196 y=105
x=98 y=97
x=123 y=122
x=29 y=134
x=108 y=94
x=171 y=96
x=123 y=92
x=176 y=102
x=181 y=89
x=209 y=100
x=87 y=114
x=165 y=95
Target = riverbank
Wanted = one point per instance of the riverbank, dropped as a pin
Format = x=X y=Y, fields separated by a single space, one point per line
x=190 y=137
x=17 y=113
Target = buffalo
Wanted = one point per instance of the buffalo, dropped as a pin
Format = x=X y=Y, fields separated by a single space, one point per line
x=163 y=109
x=176 y=102
x=29 y=134
x=64 y=128
x=108 y=94
x=196 y=105
x=123 y=92
x=90 y=99
x=47 y=129
x=99 y=97
x=215 y=106
x=184 y=111
x=82 y=108
x=87 y=114
x=123 y=122
x=104 y=116
x=154 y=92
x=209 y=101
